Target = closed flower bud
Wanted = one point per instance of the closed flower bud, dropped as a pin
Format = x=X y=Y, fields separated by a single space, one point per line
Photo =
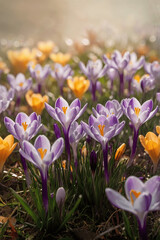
x=57 y=131
x=60 y=196
x=93 y=161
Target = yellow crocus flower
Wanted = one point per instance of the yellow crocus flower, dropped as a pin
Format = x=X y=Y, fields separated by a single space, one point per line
x=79 y=85
x=46 y=47
x=36 y=101
x=151 y=144
x=60 y=58
x=19 y=59
x=7 y=146
x=120 y=152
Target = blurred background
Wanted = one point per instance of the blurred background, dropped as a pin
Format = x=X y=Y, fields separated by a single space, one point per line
x=64 y=20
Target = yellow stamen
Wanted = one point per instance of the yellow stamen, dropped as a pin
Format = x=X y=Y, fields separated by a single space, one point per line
x=137 y=78
x=64 y=109
x=24 y=125
x=42 y=152
x=137 y=111
x=101 y=129
x=21 y=84
x=135 y=194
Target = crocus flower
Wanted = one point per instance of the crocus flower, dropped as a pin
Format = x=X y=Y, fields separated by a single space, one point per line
x=20 y=84
x=102 y=129
x=151 y=144
x=39 y=73
x=137 y=114
x=24 y=128
x=60 y=197
x=112 y=74
x=19 y=59
x=42 y=155
x=36 y=101
x=65 y=114
x=119 y=63
x=133 y=66
x=153 y=69
x=5 y=98
x=120 y=151
x=147 y=83
x=112 y=107
x=60 y=58
x=46 y=47
x=141 y=199
x=7 y=146
x=76 y=133
x=93 y=71
x=79 y=85
x=61 y=73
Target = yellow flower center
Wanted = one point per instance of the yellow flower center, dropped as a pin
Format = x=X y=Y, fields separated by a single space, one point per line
x=21 y=84
x=64 y=109
x=137 y=78
x=134 y=195
x=101 y=129
x=42 y=152
x=24 y=125
x=137 y=111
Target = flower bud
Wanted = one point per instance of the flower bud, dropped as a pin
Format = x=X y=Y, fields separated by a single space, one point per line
x=93 y=161
x=60 y=197
x=57 y=131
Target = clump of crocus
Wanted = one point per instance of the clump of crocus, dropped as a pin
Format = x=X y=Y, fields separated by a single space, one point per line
x=119 y=63
x=151 y=144
x=5 y=98
x=79 y=85
x=36 y=101
x=24 y=128
x=93 y=71
x=39 y=74
x=42 y=155
x=120 y=151
x=137 y=114
x=65 y=114
x=7 y=146
x=46 y=47
x=102 y=129
x=60 y=58
x=19 y=59
x=141 y=199
x=61 y=73
x=20 y=85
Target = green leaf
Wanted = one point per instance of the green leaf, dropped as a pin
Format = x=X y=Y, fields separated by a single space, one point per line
x=127 y=226
x=70 y=213
x=26 y=207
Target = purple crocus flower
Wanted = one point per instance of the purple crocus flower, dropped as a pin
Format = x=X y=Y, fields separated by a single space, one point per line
x=5 y=97
x=112 y=107
x=112 y=74
x=141 y=199
x=24 y=128
x=76 y=133
x=93 y=71
x=61 y=73
x=102 y=129
x=20 y=85
x=39 y=73
x=66 y=114
x=143 y=84
x=42 y=155
x=153 y=69
x=137 y=114
x=119 y=63
x=133 y=66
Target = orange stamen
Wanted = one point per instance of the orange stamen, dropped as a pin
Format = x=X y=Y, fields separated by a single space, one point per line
x=135 y=194
x=101 y=129
x=64 y=109
x=137 y=111
x=42 y=152
x=24 y=125
x=21 y=84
